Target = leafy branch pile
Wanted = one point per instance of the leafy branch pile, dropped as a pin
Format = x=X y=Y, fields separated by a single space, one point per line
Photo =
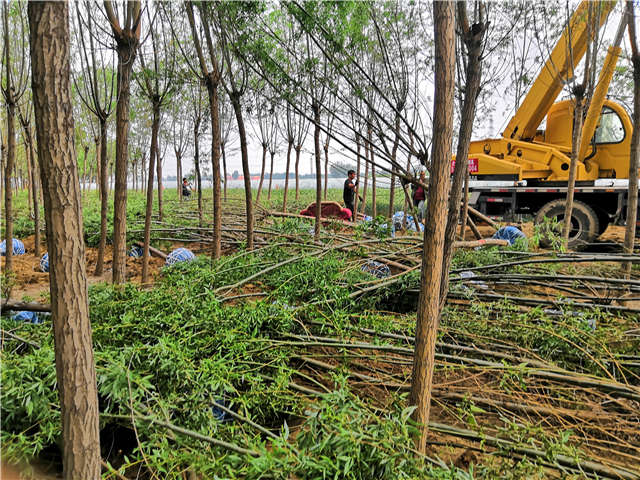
x=308 y=381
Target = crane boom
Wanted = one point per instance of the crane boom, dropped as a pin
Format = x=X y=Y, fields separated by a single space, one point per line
x=567 y=53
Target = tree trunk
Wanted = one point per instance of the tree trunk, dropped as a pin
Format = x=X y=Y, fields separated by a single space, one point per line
x=366 y=173
x=394 y=152
x=326 y=170
x=286 y=175
x=104 y=197
x=75 y=368
x=8 y=190
x=248 y=196
x=34 y=195
x=159 y=170
x=429 y=301
x=212 y=88
x=29 y=176
x=634 y=154
x=316 y=146
x=573 y=166
x=153 y=155
x=473 y=38
x=98 y=169
x=179 y=173
x=224 y=171
x=126 y=56
x=84 y=169
x=358 y=163
x=264 y=162
x=374 y=201
x=298 y=148
x=196 y=166
x=271 y=154
x=465 y=206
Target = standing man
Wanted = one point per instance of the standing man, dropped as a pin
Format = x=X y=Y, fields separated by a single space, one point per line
x=419 y=196
x=349 y=192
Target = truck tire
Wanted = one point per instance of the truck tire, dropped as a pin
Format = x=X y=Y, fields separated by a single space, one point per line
x=584 y=221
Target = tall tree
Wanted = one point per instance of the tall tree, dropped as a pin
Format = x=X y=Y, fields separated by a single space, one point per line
x=16 y=73
x=156 y=82
x=428 y=314
x=266 y=131
x=26 y=114
x=211 y=74
x=472 y=42
x=634 y=154
x=233 y=28
x=199 y=120
x=127 y=36
x=75 y=367
x=96 y=90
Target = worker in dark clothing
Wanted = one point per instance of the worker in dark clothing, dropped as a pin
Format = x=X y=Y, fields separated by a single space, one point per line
x=349 y=192
x=186 y=188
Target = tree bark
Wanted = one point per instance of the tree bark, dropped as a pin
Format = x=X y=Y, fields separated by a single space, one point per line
x=33 y=183
x=11 y=149
x=264 y=163
x=104 y=197
x=429 y=301
x=573 y=167
x=224 y=171
x=271 y=155
x=159 y=170
x=366 y=174
x=634 y=154
x=394 y=152
x=212 y=88
x=196 y=166
x=298 y=148
x=179 y=173
x=248 y=196
x=127 y=42
x=153 y=155
x=358 y=163
x=373 y=176
x=286 y=175
x=34 y=196
x=316 y=146
x=75 y=368
x=473 y=39
x=326 y=169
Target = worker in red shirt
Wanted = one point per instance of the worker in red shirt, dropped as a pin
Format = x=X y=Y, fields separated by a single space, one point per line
x=419 y=196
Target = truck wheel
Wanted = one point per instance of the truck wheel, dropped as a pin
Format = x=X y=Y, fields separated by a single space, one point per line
x=585 y=226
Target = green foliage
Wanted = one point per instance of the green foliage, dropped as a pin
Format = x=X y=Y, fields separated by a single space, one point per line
x=565 y=337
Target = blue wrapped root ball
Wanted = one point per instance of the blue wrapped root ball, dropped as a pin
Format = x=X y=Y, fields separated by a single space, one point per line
x=44 y=262
x=179 y=255
x=18 y=247
x=136 y=251
x=376 y=269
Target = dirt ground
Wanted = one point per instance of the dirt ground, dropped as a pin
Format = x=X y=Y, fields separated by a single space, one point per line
x=614 y=233
x=31 y=282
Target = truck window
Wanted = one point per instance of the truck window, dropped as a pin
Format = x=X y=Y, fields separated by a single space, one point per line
x=610 y=129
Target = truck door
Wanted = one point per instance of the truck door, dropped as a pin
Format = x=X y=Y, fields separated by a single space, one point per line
x=612 y=141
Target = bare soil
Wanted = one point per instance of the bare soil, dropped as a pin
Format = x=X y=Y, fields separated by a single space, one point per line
x=31 y=282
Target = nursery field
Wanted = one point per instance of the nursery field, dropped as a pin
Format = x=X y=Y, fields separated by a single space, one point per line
x=294 y=360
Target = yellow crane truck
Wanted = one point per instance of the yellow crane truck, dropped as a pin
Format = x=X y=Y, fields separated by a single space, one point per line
x=525 y=172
